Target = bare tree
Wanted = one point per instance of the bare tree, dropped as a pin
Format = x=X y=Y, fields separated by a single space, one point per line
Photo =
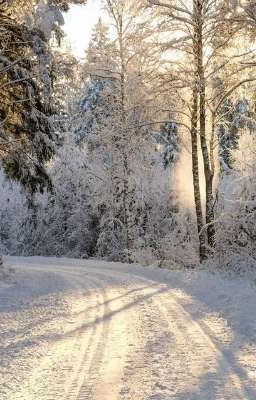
x=199 y=32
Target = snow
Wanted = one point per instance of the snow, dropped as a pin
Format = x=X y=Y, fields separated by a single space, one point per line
x=76 y=329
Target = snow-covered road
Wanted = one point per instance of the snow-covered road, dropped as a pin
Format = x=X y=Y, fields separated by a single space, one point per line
x=81 y=330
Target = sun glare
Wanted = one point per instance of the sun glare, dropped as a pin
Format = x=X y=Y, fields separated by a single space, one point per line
x=79 y=22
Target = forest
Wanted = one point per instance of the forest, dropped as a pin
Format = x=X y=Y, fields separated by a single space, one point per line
x=144 y=150
x=127 y=199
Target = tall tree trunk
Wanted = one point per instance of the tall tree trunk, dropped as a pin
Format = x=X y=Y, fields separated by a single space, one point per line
x=126 y=210
x=195 y=171
x=208 y=173
x=213 y=127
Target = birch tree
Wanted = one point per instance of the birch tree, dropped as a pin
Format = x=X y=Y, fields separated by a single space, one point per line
x=200 y=31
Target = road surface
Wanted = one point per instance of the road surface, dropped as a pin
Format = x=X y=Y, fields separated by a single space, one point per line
x=102 y=331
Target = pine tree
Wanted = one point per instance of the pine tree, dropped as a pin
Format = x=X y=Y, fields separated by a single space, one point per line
x=97 y=102
x=26 y=134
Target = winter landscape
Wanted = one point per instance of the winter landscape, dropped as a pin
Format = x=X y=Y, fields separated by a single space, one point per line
x=128 y=200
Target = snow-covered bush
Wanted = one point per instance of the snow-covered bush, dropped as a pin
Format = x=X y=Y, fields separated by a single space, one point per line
x=13 y=213
x=236 y=219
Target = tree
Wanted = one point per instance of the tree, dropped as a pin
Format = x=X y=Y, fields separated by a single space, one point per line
x=98 y=96
x=203 y=31
x=170 y=140
x=25 y=60
x=26 y=135
x=235 y=117
x=112 y=124
x=61 y=223
x=134 y=69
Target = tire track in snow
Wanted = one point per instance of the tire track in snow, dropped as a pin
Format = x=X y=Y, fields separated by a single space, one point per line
x=90 y=375
x=52 y=377
x=84 y=342
x=195 y=335
x=103 y=378
x=197 y=350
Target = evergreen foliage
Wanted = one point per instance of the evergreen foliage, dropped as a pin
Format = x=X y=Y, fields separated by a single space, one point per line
x=235 y=118
x=26 y=132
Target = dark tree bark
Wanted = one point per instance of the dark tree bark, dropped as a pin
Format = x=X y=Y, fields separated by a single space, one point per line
x=195 y=171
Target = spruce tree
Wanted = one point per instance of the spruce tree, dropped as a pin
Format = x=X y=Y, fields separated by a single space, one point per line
x=26 y=135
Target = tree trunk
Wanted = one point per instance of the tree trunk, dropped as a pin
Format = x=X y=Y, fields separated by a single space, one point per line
x=195 y=171
x=213 y=122
x=208 y=173
x=127 y=219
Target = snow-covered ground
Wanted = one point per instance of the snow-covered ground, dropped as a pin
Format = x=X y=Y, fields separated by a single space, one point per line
x=103 y=331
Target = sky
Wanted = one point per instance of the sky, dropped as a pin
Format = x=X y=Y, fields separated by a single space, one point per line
x=79 y=22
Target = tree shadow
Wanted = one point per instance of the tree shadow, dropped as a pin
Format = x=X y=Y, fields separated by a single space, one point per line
x=20 y=344
x=68 y=313
x=217 y=385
